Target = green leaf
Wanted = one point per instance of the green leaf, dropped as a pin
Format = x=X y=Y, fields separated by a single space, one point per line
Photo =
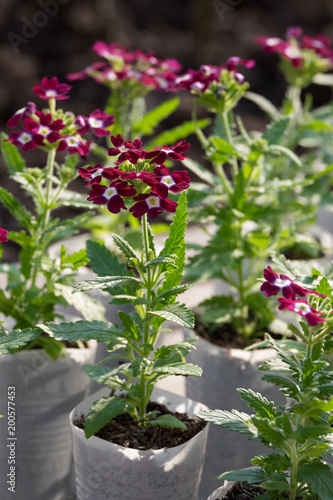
x=177 y=133
x=177 y=313
x=264 y=104
x=14 y=161
x=234 y=420
x=102 y=412
x=147 y=125
x=287 y=385
x=104 y=282
x=168 y=421
x=287 y=152
x=84 y=330
x=15 y=207
x=177 y=369
x=249 y=475
x=126 y=248
x=260 y=404
x=223 y=146
x=17 y=338
x=51 y=346
x=324 y=287
x=90 y=308
x=276 y=130
x=319 y=477
x=102 y=262
x=199 y=171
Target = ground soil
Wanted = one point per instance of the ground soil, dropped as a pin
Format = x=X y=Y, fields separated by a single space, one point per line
x=124 y=431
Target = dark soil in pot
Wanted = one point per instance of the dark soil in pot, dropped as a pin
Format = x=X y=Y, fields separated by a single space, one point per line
x=225 y=335
x=124 y=431
x=243 y=491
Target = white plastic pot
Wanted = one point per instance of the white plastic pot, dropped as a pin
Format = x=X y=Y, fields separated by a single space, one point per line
x=219 y=492
x=225 y=370
x=106 y=471
x=39 y=461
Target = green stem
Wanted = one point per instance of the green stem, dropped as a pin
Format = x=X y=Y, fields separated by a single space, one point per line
x=228 y=133
x=293 y=472
x=49 y=176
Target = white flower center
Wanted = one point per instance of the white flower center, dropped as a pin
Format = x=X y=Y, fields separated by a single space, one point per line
x=24 y=138
x=109 y=192
x=94 y=123
x=51 y=93
x=292 y=52
x=304 y=308
x=153 y=202
x=97 y=173
x=281 y=283
x=42 y=130
x=167 y=180
x=272 y=41
x=72 y=141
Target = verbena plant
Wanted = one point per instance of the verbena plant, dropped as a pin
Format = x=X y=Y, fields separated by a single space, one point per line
x=299 y=433
x=35 y=287
x=256 y=191
x=150 y=281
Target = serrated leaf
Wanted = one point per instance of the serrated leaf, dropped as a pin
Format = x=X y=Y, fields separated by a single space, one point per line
x=90 y=307
x=287 y=385
x=102 y=262
x=84 y=330
x=319 y=477
x=234 y=420
x=276 y=130
x=177 y=313
x=102 y=412
x=249 y=475
x=258 y=403
x=13 y=159
x=324 y=287
x=125 y=247
x=177 y=369
x=168 y=421
x=15 y=207
x=17 y=338
x=105 y=282
x=152 y=118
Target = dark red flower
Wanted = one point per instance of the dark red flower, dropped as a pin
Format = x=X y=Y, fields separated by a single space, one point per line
x=276 y=283
x=112 y=195
x=152 y=205
x=51 y=88
x=74 y=144
x=21 y=113
x=24 y=139
x=45 y=128
x=126 y=150
x=302 y=308
x=161 y=181
x=159 y=155
x=3 y=235
x=97 y=121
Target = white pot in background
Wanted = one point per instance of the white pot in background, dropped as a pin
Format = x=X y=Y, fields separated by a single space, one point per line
x=225 y=370
x=45 y=392
x=106 y=471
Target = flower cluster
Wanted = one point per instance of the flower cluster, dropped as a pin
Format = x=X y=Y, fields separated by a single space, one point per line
x=281 y=283
x=3 y=235
x=138 y=176
x=51 y=129
x=199 y=80
x=296 y=45
x=123 y=64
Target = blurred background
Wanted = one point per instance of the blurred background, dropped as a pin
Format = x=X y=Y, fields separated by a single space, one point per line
x=54 y=37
